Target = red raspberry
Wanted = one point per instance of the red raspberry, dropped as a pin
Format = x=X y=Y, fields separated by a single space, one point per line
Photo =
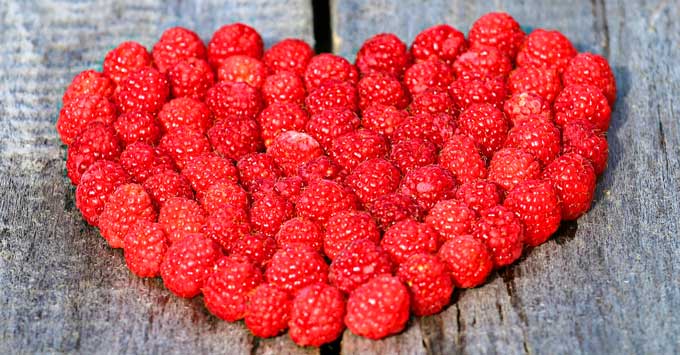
x=378 y=308
x=392 y=208
x=383 y=119
x=124 y=59
x=269 y=212
x=185 y=112
x=128 y=204
x=167 y=184
x=191 y=77
x=499 y=30
x=408 y=237
x=89 y=82
x=573 y=178
x=479 y=195
x=137 y=126
x=429 y=282
x=524 y=106
x=540 y=138
x=441 y=42
x=451 y=218
x=325 y=66
x=279 y=117
x=413 y=153
x=486 y=125
x=208 y=169
x=432 y=101
x=180 y=217
x=98 y=141
x=591 y=69
x=143 y=90
x=292 y=269
x=234 y=139
x=227 y=291
x=383 y=53
x=256 y=247
x=291 y=55
x=502 y=233
x=582 y=138
x=437 y=128
x=329 y=124
x=255 y=166
x=227 y=226
x=175 y=45
x=224 y=192
x=316 y=315
x=188 y=264
x=289 y=188
x=547 y=49
x=468 y=259
x=462 y=157
x=582 y=102
x=284 y=87
x=332 y=94
x=372 y=179
x=321 y=167
x=482 y=62
x=380 y=88
x=428 y=184
x=427 y=74
x=145 y=246
x=230 y=100
x=300 y=231
x=77 y=113
x=511 y=166
x=322 y=199
x=344 y=227
x=468 y=92
x=184 y=144
x=354 y=148
x=233 y=39
x=359 y=262
x=291 y=149
x=96 y=185
x=537 y=205
x=268 y=311
x=544 y=82
x=244 y=69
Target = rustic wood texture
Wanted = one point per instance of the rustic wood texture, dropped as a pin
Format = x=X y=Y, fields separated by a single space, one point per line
x=610 y=283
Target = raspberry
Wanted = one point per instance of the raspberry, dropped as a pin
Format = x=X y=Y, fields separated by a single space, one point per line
x=269 y=212
x=413 y=153
x=540 y=138
x=573 y=178
x=354 y=148
x=256 y=247
x=441 y=42
x=462 y=157
x=359 y=262
x=321 y=167
x=292 y=269
x=188 y=264
x=283 y=87
x=479 y=195
x=408 y=237
x=96 y=185
x=502 y=233
x=332 y=94
x=88 y=82
x=224 y=192
x=450 y=218
x=322 y=199
x=244 y=69
x=180 y=217
x=372 y=179
x=267 y=311
x=124 y=59
x=175 y=45
x=227 y=226
x=324 y=67
x=582 y=138
x=233 y=100
x=79 y=112
x=234 y=39
x=437 y=128
x=184 y=144
x=316 y=315
x=499 y=30
x=145 y=246
x=431 y=101
x=279 y=117
x=486 y=125
x=144 y=89
x=289 y=187
x=582 y=102
x=300 y=231
x=208 y=169
x=234 y=139
x=547 y=49
x=380 y=88
x=468 y=92
x=383 y=53
x=467 y=259
x=383 y=119
x=137 y=126
x=167 y=184
x=378 y=308
x=429 y=282
x=427 y=74
x=392 y=208
x=98 y=141
x=329 y=124
x=524 y=106
x=482 y=62
x=591 y=69
x=428 y=184
x=128 y=204
x=344 y=227
x=226 y=291
x=192 y=78
x=544 y=82
x=257 y=166
x=291 y=149
x=185 y=112
x=291 y=55
x=510 y=166
x=537 y=205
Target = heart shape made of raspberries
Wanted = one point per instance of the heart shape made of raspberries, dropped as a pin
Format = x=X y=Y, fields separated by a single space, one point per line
x=301 y=192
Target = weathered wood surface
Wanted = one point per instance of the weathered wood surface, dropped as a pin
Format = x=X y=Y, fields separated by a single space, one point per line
x=609 y=284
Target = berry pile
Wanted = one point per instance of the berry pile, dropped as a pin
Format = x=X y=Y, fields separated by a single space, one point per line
x=301 y=192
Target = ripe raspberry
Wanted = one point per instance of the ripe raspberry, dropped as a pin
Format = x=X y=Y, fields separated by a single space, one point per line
x=255 y=166
x=359 y=262
x=291 y=55
x=224 y=192
x=482 y=62
x=183 y=144
x=268 y=311
x=321 y=167
x=227 y=291
x=180 y=217
x=378 y=308
x=573 y=178
x=537 y=205
x=344 y=227
x=428 y=184
x=441 y=42
x=144 y=89
x=450 y=218
x=466 y=93
x=381 y=88
x=291 y=149
x=269 y=212
x=524 y=106
x=283 y=87
x=544 y=82
x=188 y=264
x=322 y=199
x=582 y=138
x=142 y=161
x=547 y=49
x=383 y=53
x=137 y=126
x=582 y=102
x=427 y=74
x=244 y=69
x=408 y=237
x=502 y=233
x=234 y=139
x=124 y=59
x=233 y=39
x=279 y=117
x=316 y=315
x=485 y=124
x=230 y=101
x=167 y=184
x=227 y=226
x=429 y=282
x=98 y=141
x=145 y=246
x=499 y=30
x=192 y=78
x=356 y=147
x=185 y=112
x=128 y=204
x=292 y=269
x=468 y=259
x=511 y=166
x=372 y=179
x=413 y=153
x=89 y=82
x=591 y=69
x=392 y=208
x=325 y=66
x=332 y=94
x=96 y=185
x=256 y=247
x=207 y=169
x=462 y=157
x=383 y=119
x=175 y=45
x=289 y=187
x=437 y=128
x=300 y=231
x=79 y=112
x=539 y=138
x=329 y=124
x=432 y=101
x=479 y=195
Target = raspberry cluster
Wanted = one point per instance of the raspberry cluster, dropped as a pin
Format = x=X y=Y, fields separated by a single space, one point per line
x=301 y=192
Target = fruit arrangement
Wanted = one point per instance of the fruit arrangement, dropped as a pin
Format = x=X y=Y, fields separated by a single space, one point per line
x=300 y=192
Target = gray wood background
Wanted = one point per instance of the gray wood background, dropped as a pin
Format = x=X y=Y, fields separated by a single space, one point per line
x=608 y=284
